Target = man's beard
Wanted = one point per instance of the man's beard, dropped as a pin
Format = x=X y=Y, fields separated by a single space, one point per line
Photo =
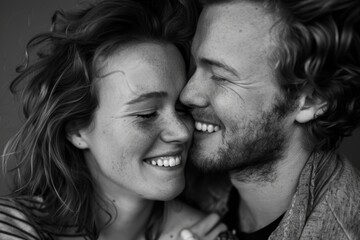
x=252 y=156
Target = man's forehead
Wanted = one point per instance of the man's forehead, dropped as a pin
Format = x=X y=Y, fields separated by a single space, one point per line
x=236 y=13
x=233 y=23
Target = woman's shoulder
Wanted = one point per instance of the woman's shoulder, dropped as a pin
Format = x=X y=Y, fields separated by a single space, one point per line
x=14 y=221
x=178 y=216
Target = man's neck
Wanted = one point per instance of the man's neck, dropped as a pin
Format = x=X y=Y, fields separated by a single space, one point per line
x=262 y=202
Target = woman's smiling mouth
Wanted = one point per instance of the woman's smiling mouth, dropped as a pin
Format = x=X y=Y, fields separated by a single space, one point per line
x=165 y=161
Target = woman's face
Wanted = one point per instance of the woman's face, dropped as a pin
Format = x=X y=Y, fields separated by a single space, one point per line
x=138 y=141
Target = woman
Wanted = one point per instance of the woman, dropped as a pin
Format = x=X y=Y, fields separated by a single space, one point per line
x=105 y=139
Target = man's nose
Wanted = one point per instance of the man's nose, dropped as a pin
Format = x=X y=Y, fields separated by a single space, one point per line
x=193 y=95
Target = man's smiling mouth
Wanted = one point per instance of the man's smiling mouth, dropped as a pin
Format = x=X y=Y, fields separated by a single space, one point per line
x=206 y=127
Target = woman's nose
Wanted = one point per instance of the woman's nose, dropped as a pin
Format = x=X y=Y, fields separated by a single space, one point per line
x=177 y=130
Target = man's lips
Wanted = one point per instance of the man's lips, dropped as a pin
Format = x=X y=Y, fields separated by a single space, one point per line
x=206 y=127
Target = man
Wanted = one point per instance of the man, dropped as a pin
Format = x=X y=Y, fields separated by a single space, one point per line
x=275 y=88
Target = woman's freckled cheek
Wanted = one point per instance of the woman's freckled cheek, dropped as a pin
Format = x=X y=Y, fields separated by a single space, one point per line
x=120 y=164
x=148 y=128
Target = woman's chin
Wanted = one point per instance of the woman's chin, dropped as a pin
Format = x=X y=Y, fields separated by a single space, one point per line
x=169 y=194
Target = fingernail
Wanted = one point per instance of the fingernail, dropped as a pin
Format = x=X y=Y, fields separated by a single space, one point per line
x=186 y=234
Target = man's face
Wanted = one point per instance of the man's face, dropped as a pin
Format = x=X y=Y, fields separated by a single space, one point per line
x=236 y=101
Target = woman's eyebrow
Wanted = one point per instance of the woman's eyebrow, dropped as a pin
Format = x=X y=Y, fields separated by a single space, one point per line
x=146 y=96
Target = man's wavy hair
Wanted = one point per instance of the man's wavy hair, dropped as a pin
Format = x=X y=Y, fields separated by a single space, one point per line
x=58 y=90
x=319 y=48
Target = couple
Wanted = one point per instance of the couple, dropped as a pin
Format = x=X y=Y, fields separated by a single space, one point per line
x=274 y=86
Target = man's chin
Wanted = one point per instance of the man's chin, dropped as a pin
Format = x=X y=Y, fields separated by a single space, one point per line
x=206 y=166
x=207 y=163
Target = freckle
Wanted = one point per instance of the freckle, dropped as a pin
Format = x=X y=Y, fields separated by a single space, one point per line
x=171 y=236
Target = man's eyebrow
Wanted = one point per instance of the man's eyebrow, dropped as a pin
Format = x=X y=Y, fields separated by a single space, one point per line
x=146 y=96
x=219 y=64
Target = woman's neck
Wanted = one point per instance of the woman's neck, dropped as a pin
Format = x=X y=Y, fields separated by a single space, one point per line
x=130 y=216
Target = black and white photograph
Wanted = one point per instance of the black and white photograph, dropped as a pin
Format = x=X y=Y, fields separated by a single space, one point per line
x=180 y=120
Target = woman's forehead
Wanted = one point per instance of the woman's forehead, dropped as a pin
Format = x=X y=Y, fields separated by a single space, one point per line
x=141 y=69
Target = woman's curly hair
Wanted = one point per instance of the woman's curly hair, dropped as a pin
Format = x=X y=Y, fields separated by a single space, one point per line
x=58 y=91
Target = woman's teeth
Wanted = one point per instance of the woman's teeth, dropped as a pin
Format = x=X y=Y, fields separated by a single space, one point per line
x=171 y=161
x=204 y=127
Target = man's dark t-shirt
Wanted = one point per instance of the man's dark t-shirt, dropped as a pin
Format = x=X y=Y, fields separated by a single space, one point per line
x=231 y=219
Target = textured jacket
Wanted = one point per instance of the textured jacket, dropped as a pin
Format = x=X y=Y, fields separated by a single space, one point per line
x=326 y=204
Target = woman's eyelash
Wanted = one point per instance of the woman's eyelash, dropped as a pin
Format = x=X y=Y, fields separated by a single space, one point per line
x=217 y=78
x=147 y=116
x=181 y=109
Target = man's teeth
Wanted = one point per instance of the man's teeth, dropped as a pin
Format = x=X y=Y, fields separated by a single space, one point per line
x=166 y=161
x=204 y=127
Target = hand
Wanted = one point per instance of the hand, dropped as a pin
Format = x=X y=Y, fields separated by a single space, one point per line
x=206 y=229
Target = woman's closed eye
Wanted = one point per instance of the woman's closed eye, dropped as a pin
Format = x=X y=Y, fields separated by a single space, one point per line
x=147 y=115
x=218 y=78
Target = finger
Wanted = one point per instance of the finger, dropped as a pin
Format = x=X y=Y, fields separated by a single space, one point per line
x=186 y=234
x=212 y=235
x=206 y=224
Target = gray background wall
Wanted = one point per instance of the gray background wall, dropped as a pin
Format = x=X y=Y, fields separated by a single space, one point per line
x=19 y=21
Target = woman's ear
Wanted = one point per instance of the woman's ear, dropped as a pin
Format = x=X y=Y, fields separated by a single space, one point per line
x=76 y=136
x=310 y=106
